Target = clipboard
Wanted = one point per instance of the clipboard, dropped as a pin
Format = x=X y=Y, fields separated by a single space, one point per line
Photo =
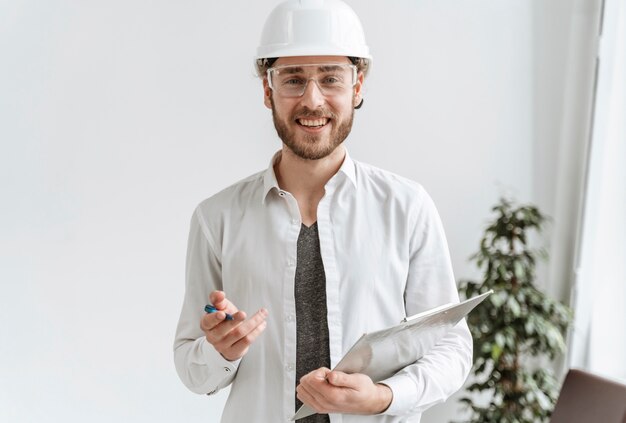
x=383 y=353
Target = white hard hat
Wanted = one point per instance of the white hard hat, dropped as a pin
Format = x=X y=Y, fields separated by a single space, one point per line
x=312 y=28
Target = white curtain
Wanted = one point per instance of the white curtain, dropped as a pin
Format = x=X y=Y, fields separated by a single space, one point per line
x=598 y=338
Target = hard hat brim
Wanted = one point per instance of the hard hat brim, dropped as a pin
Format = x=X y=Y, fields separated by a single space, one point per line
x=291 y=51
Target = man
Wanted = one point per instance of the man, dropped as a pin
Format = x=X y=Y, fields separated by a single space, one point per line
x=319 y=248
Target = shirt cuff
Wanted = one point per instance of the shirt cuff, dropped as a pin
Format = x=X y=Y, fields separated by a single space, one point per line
x=404 y=394
x=219 y=364
x=211 y=355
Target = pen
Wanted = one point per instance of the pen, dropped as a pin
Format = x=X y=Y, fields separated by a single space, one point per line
x=210 y=309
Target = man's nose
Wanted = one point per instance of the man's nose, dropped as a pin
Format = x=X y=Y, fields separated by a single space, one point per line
x=312 y=96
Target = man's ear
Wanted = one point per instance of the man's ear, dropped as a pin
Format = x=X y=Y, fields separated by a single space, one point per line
x=267 y=94
x=358 y=90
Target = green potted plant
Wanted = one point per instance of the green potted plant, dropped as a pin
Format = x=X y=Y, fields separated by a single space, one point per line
x=517 y=328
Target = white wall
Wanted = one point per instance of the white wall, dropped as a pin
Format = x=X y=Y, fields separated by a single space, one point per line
x=118 y=117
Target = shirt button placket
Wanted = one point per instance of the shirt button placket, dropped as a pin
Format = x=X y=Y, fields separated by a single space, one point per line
x=292 y=226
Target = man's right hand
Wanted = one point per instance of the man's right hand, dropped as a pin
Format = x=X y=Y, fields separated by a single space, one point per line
x=231 y=338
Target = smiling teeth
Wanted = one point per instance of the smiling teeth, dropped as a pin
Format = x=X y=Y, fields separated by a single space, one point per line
x=317 y=122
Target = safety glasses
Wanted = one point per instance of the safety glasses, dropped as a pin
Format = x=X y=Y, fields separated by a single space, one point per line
x=331 y=78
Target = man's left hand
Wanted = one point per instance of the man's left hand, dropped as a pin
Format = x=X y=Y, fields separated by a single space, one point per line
x=328 y=391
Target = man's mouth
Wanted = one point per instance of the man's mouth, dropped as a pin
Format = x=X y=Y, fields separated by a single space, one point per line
x=313 y=123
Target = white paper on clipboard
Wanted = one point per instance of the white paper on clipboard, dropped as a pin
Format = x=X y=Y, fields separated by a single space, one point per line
x=383 y=353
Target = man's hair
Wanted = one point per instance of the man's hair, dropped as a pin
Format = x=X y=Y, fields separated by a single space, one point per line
x=262 y=65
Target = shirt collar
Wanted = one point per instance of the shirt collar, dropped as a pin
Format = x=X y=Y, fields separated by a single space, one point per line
x=347 y=168
x=269 y=177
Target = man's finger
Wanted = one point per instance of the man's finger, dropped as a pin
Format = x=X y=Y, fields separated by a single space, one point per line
x=341 y=379
x=218 y=299
x=243 y=329
x=228 y=332
x=315 y=384
x=242 y=345
x=317 y=374
x=216 y=326
x=311 y=399
x=211 y=320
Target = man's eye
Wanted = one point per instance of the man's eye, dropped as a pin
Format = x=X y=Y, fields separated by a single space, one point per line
x=292 y=81
x=331 y=80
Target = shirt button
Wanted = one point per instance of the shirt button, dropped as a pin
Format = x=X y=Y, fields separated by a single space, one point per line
x=289 y=318
x=295 y=221
x=289 y=367
x=291 y=263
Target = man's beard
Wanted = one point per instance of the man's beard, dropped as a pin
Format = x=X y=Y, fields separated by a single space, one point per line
x=310 y=147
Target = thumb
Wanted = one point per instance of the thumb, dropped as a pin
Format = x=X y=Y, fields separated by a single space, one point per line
x=217 y=299
x=220 y=302
x=345 y=380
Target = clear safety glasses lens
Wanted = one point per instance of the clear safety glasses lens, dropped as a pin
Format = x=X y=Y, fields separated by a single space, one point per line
x=331 y=78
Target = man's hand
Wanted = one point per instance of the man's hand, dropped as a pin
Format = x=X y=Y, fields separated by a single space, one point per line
x=328 y=391
x=231 y=338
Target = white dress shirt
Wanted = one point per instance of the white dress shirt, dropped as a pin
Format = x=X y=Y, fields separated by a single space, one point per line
x=385 y=257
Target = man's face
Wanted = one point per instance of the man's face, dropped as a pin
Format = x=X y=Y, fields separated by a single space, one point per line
x=314 y=124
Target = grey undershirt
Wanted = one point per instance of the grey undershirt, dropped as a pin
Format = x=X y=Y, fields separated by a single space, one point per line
x=312 y=350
